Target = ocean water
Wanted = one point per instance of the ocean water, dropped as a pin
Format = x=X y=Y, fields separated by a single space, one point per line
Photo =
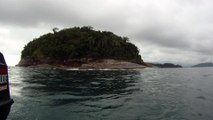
x=147 y=94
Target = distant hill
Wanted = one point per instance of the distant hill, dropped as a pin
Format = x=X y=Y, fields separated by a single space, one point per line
x=207 y=64
x=77 y=46
x=165 y=65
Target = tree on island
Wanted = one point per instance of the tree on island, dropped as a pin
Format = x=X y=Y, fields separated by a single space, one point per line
x=55 y=29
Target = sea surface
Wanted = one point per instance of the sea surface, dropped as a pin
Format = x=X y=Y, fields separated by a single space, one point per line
x=147 y=94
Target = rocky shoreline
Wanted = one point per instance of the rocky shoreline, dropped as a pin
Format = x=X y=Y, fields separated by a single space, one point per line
x=91 y=64
x=112 y=64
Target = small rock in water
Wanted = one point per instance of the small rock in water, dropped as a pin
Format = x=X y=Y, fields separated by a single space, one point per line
x=201 y=97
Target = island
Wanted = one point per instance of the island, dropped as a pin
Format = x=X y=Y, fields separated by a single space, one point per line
x=83 y=48
x=164 y=65
x=206 y=64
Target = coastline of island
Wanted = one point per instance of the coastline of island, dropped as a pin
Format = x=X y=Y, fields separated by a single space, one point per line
x=99 y=64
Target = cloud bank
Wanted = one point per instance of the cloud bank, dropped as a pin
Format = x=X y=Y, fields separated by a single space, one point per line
x=178 y=31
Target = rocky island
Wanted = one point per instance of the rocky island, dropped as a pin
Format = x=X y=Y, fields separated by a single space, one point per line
x=83 y=48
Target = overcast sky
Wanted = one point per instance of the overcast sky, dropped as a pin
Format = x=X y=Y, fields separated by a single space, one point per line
x=177 y=31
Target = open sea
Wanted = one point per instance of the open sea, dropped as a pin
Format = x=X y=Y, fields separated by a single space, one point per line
x=147 y=94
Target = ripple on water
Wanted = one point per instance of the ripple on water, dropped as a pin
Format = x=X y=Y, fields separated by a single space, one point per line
x=148 y=94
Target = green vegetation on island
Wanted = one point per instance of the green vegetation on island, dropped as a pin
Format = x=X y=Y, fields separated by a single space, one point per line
x=73 y=46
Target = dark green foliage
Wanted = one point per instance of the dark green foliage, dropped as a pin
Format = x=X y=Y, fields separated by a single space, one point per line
x=81 y=42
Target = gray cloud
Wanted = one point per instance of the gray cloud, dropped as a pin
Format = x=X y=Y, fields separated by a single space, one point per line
x=166 y=30
x=31 y=13
x=75 y=12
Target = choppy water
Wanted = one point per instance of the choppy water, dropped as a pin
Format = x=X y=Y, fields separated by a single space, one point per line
x=148 y=94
